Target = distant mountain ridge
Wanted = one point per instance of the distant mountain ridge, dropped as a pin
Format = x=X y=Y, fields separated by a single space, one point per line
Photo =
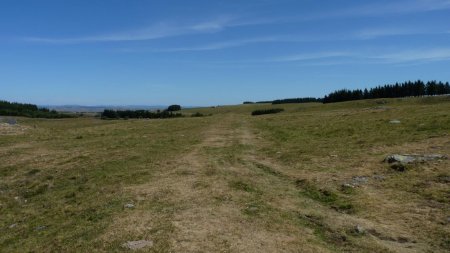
x=101 y=108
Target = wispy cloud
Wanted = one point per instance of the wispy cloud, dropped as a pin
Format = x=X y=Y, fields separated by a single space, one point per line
x=392 y=7
x=223 y=45
x=229 y=44
x=172 y=29
x=417 y=55
x=413 y=56
x=410 y=6
x=374 y=33
x=156 y=31
x=384 y=32
x=309 y=57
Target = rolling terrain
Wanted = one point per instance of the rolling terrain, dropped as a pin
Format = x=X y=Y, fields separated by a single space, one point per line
x=309 y=179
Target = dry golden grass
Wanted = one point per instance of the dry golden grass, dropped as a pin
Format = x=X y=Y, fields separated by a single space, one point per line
x=231 y=182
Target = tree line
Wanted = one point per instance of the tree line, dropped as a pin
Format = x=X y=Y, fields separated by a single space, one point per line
x=287 y=101
x=29 y=110
x=258 y=102
x=138 y=114
x=406 y=89
x=296 y=100
x=142 y=114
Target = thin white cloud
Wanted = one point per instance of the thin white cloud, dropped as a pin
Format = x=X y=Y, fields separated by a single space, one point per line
x=223 y=45
x=374 y=33
x=167 y=29
x=413 y=56
x=240 y=42
x=410 y=6
x=393 y=7
x=422 y=56
x=309 y=57
x=385 y=32
x=416 y=56
x=156 y=31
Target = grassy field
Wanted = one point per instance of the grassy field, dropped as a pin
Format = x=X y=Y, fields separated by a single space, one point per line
x=309 y=179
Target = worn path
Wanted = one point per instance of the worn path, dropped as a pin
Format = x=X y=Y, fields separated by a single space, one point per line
x=223 y=196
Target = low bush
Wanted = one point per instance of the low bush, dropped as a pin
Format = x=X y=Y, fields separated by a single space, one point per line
x=267 y=111
x=198 y=114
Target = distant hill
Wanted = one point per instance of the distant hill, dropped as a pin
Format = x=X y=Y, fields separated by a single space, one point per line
x=29 y=110
x=101 y=108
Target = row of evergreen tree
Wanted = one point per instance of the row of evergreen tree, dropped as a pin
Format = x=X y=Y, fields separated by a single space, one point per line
x=138 y=114
x=29 y=110
x=296 y=100
x=406 y=89
x=258 y=102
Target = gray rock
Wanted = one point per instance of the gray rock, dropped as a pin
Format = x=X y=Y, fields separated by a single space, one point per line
x=355 y=182
x=13 y=225
x=399 y=158
x=443 y=179
x=12 y=121
x=411 y=158
x=39 y=228
x=379 y=177
x=359 y=180
x=134 y=245
x=347 y=186
x=129 y=205
x=395 y=121
x=359 y=229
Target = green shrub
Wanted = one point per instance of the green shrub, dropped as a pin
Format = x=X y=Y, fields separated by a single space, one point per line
x=267 y=111
x=174 y=108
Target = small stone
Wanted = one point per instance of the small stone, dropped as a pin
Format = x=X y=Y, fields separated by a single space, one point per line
x=395 y=121
x=347 y=186
x=12 y=122
x=129 y=205
x=39 y=228
x=379 y=177
x=134 y=245
x=359 y=229
x=358 y=180
x=13 y=225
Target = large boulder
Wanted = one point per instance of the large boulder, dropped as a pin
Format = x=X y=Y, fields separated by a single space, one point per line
x=412 y=158
x=399 y=162
x=135 y=245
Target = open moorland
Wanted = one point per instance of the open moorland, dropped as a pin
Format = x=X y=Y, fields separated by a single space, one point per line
x=311 y=178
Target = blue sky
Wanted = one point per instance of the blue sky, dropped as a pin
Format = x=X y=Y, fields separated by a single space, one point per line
x=210 y=52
